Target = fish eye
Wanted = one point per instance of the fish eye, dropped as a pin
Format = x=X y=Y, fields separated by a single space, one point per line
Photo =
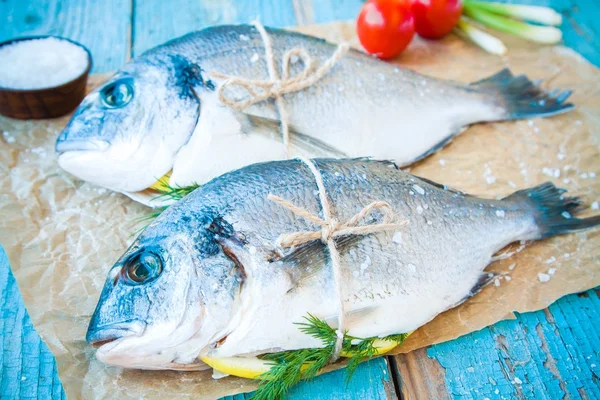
x=143 y=267
x=117 y=94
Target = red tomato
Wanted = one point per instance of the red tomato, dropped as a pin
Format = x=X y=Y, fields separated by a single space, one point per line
x=436 y=18
x=385 y=27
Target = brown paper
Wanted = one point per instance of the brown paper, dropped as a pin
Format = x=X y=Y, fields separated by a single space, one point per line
x=62 y=235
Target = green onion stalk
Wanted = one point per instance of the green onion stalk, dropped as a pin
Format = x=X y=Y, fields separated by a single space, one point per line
x=508 y=18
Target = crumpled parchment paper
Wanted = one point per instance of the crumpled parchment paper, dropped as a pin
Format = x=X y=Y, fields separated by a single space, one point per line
x=62 y=235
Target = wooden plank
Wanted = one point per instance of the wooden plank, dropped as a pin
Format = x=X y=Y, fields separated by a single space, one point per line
x=101 y=25
x=372 y=380
x=420 y=377
x=158 y=21
x=27 y=368
x=549 y=354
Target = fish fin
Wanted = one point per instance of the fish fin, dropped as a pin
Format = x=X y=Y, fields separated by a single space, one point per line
x=267 y=126
x=521 y=98
x=314 y=251
x=484 y=279
x=552 y=211
x=440 y=145
x=304 y=261
x=443 y=187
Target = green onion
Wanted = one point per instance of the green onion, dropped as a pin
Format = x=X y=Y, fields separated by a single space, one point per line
x=540 y=34
x=539 y=14
x=482 y=39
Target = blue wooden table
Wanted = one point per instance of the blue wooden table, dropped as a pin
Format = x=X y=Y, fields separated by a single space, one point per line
x=550 y=354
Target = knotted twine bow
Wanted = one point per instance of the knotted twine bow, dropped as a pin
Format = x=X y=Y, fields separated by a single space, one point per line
x=330 y=229
x=276 y=87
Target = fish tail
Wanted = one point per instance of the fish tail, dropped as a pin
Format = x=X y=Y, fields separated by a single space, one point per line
x=521 y=98
x=553 y=213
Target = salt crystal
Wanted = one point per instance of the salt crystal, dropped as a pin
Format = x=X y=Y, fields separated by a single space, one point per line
x=355 y=274
x=419 y=189
x=420 y=209
x=592 y=175
x=566 y=255
x=496 y=282
x=583 y=175
x=512 y=184
x=252 y=250
x=364 y=176
x=593 y=365
x=337 y=173
x=411 y=193
x=566 y=181
x=244 y=38
x=551 y=271
x=500 y=213
x=41 y=63
x=560 y=156
x=518 y=381
x=426 y=206
x=566 y=214
x=507 y=278
x=397 y=238
x=365 y=264
x=254 y=57
x=9 y=139
x=543 y=277
x=442 y=162
x=411 y=267
x=512 y=266
x=595 y=206
x=530 y=122
x=490 y=179
x=550 y=260
x=470 y=369
x=429 y=223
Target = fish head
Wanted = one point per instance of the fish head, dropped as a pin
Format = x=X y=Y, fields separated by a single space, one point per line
x=126 y=133
x=166 y=300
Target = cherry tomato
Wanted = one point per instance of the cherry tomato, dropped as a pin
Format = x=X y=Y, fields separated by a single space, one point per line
x=385 y=27
x=436 y=18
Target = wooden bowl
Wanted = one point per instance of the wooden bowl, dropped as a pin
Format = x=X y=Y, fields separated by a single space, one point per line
x=47 y=102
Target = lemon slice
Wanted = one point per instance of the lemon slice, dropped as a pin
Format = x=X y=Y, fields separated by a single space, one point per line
x=244 y=367
x=253 y=368
x=161 y=185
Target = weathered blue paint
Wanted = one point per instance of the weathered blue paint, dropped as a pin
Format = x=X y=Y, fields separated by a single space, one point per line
x=543 y=355
x=551 y=352
x=27 y=368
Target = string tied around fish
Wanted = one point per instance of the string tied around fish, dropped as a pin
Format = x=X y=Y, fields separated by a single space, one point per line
x=330 y=229
x=275 y=87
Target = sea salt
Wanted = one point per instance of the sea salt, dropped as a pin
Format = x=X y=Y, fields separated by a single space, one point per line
x=543 y=277
x=551 y=271
x=419 y=209
x=419 y=189
x=254 y=58
x=397 y=238
x=41 y=63
x=500 y=213
x=595 y=206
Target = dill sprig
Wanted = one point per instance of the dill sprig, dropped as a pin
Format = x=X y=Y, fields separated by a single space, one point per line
x=165 y=190
x=176 y=193
x=290 y=367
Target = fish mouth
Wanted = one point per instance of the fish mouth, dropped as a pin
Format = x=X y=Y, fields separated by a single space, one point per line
x=104 y=334
x=63 y=146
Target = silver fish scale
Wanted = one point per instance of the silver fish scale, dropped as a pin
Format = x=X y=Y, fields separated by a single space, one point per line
x=338 y=103
x=440 y=254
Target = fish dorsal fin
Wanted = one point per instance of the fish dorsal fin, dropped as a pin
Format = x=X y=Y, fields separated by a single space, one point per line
x=269 y=127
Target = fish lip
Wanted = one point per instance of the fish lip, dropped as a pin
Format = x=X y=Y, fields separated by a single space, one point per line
x=104 y=334
x=63 y=146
